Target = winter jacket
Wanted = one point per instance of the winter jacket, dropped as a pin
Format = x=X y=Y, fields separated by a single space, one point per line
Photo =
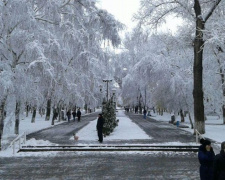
x=100 y=123
x=74 y=114
x=206 y=163
x=219 y=166
x=78 y=113
x=68 y=113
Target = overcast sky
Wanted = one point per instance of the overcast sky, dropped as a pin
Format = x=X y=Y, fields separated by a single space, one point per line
x=121 y=9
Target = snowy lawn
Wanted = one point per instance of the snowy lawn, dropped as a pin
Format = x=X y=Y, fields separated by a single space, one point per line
x=214 y=127
x=214 y=130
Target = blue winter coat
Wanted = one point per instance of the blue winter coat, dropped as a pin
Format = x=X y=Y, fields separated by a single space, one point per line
x=206 y=163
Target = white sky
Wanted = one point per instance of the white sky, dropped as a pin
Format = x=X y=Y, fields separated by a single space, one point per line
x=121 y=9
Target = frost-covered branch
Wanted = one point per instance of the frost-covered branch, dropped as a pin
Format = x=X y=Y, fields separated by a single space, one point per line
x=67 y=2
x=212 y=9
x=38 y=9
x=4 y=56
x=48 y=21
x=13 y=28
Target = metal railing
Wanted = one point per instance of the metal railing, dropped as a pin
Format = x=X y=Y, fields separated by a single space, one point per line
x=18 y=138
x=198 y=136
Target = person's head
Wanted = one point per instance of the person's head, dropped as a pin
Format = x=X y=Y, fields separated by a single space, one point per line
x=206 y=143
x=223 y=145
x=100 y=115
x=202 y=141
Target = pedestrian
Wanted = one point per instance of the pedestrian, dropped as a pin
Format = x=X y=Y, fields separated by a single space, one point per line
x=219 y=164
x=99 y=126
x=136 y=109
x=74 y=115
x=145 y=112
x=206 y=156
x=78 y=114
x=68 y=115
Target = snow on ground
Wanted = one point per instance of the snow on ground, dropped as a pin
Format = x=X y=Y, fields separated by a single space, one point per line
x=214 y=127
x=27 y=127
x=214 y=130
x=32 y=142
x=122 y=131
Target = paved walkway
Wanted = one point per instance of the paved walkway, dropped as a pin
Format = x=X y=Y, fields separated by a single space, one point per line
x=106 y=165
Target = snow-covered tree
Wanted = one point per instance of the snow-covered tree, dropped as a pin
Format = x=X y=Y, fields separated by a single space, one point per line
x=50 y=51
x=195 y=12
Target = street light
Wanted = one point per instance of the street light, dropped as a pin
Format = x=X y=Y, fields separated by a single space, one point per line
x=107 y=90
x=100 y=88
x=114 y=95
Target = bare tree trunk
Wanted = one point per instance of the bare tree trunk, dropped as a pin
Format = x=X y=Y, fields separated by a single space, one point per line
x=223 y=113
x=48 y=110
x=59 y=109
x=54 y=115
x=27 y=109
x=17 y=116
x=161 y=112
x=189 y=115
x=33 y=115
x=2 y=117
x=198 y=84
x=223 y=88
x=41 y=111
x=222 y=74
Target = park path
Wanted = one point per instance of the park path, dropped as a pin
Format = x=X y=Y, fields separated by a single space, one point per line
x=105 y=165
x=62 y=133
x=161 y=132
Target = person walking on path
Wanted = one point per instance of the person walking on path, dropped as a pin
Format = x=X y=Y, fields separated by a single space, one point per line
x=68 y=115
x=74 y=115
x=100 y=124
x=219 y=164
x=206 y=156
x=78 y=115
x=145 y=112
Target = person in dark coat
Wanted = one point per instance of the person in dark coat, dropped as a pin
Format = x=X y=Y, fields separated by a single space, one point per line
x=144 y=112
x=78 y=115
x=68 y=115
x=74 y=114
x=219 y=164
x=100 y=124
x=136 y=109
x=201 y=142
x=206 y=156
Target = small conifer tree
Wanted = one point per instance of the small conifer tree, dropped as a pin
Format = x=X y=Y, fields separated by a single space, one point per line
x=109 y=114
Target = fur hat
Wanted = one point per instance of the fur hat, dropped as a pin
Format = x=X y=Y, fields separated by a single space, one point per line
x=202 y=141
x=223 y=145
x=206 y=142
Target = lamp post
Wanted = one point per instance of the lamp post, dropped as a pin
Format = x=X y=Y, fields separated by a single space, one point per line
x=107 y=90
x=114 y=96
x=100 y=88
